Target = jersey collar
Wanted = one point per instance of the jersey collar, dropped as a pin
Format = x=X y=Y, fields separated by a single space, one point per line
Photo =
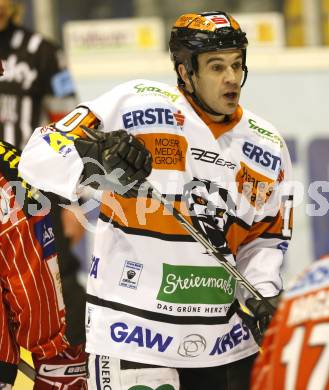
x=217 y=128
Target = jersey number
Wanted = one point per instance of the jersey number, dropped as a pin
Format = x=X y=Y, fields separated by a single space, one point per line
x=72 y=120
x=291 y=357
x=287 y=202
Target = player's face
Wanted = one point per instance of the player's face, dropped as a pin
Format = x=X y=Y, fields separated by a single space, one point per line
x=5 y=13
x=218 y=80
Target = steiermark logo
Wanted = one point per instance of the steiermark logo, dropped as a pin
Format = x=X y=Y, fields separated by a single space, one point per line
x=191 y=284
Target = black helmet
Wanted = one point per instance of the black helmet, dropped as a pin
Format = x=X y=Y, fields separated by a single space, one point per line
x=193 y=34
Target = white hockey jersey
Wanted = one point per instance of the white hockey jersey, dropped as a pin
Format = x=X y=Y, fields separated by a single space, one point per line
x=154 y=295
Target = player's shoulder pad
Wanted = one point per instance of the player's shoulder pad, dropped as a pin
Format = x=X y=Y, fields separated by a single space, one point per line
x=132 y=95
x=262 y=130
x=145 y=89
x=9 y=160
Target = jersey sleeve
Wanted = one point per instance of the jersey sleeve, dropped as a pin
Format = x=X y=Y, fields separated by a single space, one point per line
x=33 y=313
x=50 y=161
x=51 y=148
x=260 y=256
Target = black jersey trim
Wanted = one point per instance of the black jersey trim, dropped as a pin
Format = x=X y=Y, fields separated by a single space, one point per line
x=160 y=317
x=268 y=219
x=274 y=235
x=147 y=233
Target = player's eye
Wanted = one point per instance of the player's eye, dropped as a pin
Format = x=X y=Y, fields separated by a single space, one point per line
x=236 y=65
x=217 y=67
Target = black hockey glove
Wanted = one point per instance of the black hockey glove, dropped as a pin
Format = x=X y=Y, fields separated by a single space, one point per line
x=115 y=153
x=262 y=315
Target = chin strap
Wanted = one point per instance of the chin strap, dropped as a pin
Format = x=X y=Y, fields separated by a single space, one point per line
x=201 y=104
x=245 y=75
x=194 y=96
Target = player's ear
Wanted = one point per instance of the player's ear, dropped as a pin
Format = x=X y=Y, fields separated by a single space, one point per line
x=184 y=75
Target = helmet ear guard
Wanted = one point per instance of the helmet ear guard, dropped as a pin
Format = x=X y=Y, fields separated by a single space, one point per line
x=193 y=34
x=245 y=72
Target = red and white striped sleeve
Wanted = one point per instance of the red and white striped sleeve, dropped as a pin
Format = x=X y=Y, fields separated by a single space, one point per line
x=32 y=308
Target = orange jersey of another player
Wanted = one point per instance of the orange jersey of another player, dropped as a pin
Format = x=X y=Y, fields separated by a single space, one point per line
x=296 y=345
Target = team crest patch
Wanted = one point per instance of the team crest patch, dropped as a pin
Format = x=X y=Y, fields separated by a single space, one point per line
x=130 y=274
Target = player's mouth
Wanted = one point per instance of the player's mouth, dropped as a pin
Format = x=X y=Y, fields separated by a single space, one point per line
x=231 y=96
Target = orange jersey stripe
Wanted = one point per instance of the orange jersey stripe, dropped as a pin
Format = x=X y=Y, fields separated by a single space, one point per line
x=143 y=214
x=235 y=235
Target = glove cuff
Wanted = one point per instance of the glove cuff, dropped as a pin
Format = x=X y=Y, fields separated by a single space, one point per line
x=90 y=153
x=8 y=372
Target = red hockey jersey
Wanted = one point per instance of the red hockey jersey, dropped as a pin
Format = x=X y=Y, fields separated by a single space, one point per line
x=31 y=305
x=296 y=346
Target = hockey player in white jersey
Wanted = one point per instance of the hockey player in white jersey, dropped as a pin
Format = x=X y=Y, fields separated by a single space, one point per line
x=161 y=312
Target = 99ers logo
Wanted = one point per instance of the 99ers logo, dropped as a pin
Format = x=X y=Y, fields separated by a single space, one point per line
x=211 y=157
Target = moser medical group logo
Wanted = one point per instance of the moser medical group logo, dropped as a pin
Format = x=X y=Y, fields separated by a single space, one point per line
x=191 y=284
x=168 y=150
